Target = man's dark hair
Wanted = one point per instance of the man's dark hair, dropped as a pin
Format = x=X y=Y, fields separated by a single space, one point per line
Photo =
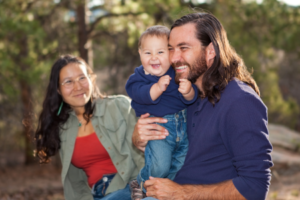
x=227 y=63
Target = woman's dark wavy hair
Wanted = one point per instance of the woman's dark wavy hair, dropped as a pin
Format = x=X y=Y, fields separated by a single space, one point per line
x=227 y=63
x=47 y=133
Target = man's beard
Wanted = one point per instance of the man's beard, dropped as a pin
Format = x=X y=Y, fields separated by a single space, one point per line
x=198 y=68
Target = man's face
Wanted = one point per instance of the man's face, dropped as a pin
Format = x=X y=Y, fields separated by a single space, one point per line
x=186 y=53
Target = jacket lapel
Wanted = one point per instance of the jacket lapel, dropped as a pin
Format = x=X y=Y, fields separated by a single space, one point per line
x=69 y=148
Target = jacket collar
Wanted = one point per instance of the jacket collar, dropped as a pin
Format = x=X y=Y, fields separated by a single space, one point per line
x=99 y=108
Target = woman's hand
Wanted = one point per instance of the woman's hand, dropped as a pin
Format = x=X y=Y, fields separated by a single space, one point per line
x=146 y=129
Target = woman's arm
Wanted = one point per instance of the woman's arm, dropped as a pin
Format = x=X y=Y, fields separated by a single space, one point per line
x=146 y=129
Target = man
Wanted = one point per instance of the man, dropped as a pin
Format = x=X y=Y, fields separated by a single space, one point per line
x=229 y=151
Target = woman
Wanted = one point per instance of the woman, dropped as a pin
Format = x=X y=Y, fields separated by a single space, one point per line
x=92 y=134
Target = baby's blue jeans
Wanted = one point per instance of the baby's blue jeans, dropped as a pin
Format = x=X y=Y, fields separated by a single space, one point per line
x=163 y=158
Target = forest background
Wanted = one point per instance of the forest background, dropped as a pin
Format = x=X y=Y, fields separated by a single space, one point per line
x=33 y=33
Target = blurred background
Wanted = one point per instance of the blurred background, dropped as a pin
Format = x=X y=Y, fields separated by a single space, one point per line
x=33 y=33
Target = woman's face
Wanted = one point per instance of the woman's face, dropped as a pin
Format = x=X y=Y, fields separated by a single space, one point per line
x=75 y=86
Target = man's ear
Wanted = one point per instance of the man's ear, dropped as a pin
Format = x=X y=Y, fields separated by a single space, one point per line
x=210 y=54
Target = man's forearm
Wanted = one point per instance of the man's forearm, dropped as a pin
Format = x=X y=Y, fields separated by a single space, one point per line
x=221 y=191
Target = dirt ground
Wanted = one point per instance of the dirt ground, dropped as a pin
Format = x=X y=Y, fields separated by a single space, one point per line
x=42 y=182
x=34 y=182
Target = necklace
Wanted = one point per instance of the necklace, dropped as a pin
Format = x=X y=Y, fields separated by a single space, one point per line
x=80 y=123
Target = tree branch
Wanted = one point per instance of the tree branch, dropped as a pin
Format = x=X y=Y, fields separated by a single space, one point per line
x=102 y=33
x=94 y=24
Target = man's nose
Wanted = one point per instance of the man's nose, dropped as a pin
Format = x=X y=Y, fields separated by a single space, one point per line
x=175 y=56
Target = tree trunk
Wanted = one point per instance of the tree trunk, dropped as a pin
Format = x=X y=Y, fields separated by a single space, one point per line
x=84 y=43
x=27 y=121
x=27 y=109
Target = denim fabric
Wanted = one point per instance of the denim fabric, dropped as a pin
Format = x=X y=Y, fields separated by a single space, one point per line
x=99 y=189
x=163 y=158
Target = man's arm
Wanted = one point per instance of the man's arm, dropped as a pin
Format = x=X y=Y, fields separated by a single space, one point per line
x=165 y=189
x=145 y=129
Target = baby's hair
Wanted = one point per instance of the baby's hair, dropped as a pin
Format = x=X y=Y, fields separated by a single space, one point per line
x=158 y=31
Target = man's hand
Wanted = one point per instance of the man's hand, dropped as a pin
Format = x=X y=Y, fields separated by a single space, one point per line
x=164 y=189
x=164 y=82
x=146 y=129
x=185 y=86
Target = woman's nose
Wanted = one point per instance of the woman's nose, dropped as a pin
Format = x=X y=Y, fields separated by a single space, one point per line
x=77 y=85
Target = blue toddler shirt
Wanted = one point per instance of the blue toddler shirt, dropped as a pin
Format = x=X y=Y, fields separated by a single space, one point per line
x=171 y=101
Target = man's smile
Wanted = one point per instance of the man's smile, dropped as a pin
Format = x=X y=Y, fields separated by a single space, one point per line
x=181 y=68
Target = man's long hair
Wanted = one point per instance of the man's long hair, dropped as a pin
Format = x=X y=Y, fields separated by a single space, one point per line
x=227 y=63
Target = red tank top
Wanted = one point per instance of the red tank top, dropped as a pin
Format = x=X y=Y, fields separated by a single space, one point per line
x=92 y=157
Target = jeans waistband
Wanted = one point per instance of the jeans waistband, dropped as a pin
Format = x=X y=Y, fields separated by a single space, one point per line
x=178 y=115
x=105 y=178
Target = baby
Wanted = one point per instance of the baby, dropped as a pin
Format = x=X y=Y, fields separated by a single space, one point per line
x=153 y=90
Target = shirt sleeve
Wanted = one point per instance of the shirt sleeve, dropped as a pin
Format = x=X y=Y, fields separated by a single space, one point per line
x=139 y=91
x=246 y=137
x=191 y=101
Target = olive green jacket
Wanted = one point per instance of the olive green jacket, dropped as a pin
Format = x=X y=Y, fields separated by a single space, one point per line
x=113 y=121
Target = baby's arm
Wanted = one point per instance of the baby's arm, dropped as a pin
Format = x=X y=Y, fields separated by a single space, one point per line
x=186 y=89
x=158 y=88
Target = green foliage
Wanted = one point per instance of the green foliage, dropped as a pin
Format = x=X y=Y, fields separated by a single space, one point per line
x=260 y=33
x=23 y=43
x=33 y=33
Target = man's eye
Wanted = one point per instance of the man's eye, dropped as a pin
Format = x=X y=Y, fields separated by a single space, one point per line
x=171 y=49
x=183 y=48
x=82 y=78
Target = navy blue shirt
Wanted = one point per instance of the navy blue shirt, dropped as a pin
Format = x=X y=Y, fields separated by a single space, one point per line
x=229 y=141
x=171 y=101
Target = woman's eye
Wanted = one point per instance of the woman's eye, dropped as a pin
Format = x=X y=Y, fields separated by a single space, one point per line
x=68 y=82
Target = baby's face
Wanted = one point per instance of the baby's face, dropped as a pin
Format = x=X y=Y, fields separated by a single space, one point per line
x=154 y=55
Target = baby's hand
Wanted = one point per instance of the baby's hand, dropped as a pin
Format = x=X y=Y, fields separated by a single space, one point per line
x=163 y=82
x=185 y=86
